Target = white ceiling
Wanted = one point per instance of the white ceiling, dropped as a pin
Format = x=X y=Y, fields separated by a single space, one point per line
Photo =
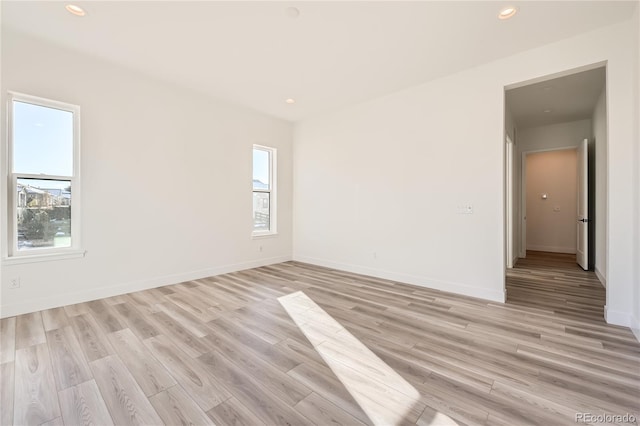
x=569 y=98
x=334 y=54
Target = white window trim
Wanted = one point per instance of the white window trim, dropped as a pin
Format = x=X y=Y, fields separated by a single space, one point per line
x=273 y=189
x=12 y=255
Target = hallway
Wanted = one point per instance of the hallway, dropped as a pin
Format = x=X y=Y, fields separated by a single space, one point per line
x=555 y=283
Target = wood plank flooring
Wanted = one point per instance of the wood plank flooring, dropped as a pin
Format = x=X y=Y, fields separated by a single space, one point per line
x=224 y=350
x=554 y=281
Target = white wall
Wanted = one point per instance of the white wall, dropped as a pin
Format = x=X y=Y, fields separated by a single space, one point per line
x=385 y=177
x=377 y=188
x=599 y=121
x=621 y=186
x=551 y=221
x=166 y=180
x=554 y=136
x=635 y=326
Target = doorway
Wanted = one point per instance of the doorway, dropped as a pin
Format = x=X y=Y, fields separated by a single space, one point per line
x=547 y=120
x=549 y=201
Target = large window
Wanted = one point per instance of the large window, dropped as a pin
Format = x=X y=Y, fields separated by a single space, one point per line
x=264 y=184
x=44 y=169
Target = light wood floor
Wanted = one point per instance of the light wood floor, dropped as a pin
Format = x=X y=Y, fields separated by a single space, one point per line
x=224 y=350
x=554 y=281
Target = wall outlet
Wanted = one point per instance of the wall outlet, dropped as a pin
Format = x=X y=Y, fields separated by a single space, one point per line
x=14 y=282
x=464 y=209
x=260 y=248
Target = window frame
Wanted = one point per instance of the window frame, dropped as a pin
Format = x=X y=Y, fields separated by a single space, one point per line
x=13 y=254
x=272 y=191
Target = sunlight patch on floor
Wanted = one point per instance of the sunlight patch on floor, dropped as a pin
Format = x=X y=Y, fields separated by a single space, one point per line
x=384 y=395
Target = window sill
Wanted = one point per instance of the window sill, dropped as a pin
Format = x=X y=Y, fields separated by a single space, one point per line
x=259 y=235
x=44 y=257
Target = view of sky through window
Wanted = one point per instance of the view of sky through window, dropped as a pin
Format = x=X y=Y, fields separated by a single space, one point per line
x=43 y=140
x=261 y=165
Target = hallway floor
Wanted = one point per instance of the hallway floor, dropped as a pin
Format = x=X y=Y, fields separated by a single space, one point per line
x=555 y=282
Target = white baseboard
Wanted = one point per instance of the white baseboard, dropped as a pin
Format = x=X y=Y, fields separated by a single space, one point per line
x=552 y=249
x=601 y=277
x=39 y=304
x=635 y=327
x=617 y=317
x=513 y=262
x=463 y=289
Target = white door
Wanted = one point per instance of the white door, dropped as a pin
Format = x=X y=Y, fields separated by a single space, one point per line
x=582 y=256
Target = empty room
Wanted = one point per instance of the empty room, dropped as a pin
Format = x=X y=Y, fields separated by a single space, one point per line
x=319 y=212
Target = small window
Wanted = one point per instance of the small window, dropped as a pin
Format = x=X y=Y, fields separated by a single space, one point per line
x=44 y=152
x=264 y=182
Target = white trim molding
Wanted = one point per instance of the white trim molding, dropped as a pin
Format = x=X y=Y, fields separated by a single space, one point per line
x=635 y=327
x=64 y=299
x=421 y=281
x=272 y=190
x=617 y=317
x=552 y=249
x=601 y=277
x=46 y=257
x=11 y=247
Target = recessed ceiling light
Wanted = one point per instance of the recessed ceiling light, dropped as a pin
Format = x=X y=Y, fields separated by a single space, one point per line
x=290 y=101
x=292 y=12
x=75 y=10
x=507 y=12
x=547 y=111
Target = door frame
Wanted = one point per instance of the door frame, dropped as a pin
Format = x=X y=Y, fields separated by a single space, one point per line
x=510 y=160
x=585 y=205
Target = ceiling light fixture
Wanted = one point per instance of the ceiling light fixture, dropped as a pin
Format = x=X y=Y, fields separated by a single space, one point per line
x=290 y=101
x=507 y=12
x=75 y=10
x=547 y=111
